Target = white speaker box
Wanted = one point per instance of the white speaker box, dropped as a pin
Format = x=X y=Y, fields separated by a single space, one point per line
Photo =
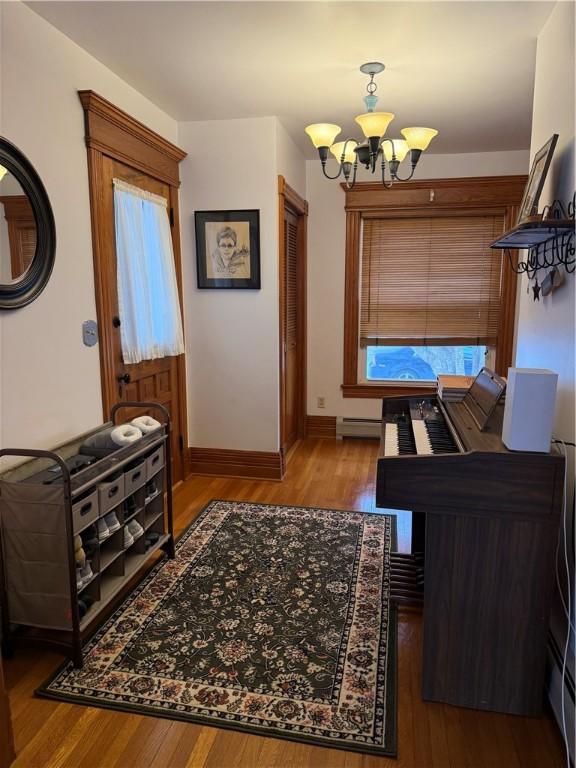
x=529 y=409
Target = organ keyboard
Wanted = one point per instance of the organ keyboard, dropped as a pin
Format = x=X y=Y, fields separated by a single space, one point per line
x=417 y=428
x=491 y=525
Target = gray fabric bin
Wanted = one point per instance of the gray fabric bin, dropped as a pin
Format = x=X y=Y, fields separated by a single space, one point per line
x=135 y=478
x=110 y=494
x=154 y=462
x=85 y=512
x=35 y=554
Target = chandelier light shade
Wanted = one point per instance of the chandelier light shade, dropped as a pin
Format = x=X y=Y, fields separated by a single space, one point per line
x=323 y=134
x=374 y=123
x=2 y=172
x=391 y=151
x=346 y=149
x=398 y=147
x=418 y=138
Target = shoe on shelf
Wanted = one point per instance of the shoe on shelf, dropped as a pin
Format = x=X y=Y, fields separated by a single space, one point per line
x=90 y=547
x=128 y=538
x=152 y=538
x=84 y=605
x=135 y=529
x=151 y=489
x=77 y=542
x=112 y=522
x=103 y=531
x=79 y=579
x=89 y=539
x=80 y=558
x=131 y=505
x=86 y=573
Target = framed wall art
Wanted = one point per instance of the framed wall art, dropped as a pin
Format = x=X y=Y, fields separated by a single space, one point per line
x=535 y=183
x=228 y=249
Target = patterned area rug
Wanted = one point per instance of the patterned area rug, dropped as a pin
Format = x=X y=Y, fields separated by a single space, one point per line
x=271 y=619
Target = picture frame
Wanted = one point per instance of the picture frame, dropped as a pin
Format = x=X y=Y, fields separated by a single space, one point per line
x=535 y=183
x=228 y=249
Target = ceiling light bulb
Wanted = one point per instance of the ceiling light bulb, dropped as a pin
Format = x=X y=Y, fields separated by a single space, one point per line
x=322 y=134
x=418 y=138
x=374 y=123
x=350 y=154
x=400 y=149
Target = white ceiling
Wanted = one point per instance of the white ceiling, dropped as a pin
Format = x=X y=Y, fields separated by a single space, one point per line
x=465 y=68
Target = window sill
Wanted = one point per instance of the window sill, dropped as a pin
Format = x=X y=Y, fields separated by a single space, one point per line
x=378 y=391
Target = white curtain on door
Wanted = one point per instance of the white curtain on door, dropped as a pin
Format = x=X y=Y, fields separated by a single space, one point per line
x=150 y=319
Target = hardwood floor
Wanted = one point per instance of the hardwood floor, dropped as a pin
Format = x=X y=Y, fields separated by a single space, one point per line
x=323 y=473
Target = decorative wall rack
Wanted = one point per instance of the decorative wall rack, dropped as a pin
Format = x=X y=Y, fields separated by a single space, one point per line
x=549 y=238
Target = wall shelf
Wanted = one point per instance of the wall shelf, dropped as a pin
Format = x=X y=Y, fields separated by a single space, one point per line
x=549 y=239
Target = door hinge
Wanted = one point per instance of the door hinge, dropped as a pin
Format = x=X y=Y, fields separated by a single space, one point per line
x=181 y=442
x=171 y=217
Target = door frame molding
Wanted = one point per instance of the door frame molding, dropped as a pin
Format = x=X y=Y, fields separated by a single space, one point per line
x=111 y=132
x=289 y=198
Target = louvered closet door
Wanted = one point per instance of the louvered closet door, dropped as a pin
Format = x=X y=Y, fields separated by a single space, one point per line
x=291 y=331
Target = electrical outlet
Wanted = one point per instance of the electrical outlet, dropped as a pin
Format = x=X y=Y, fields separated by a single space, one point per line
x=321 y=402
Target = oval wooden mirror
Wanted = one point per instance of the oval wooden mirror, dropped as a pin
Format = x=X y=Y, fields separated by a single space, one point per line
x=27 y=230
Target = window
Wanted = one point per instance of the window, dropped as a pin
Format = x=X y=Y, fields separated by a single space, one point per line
x=425 y=294
x=151 y=323
x=422 y=363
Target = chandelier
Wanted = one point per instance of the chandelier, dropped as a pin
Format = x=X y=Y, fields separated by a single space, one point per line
x=374 y=124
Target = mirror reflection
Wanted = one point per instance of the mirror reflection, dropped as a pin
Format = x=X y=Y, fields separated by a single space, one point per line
x=17 y=229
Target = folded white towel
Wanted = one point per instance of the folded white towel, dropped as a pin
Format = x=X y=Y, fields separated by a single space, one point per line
x=146 y=424
x=125 y=434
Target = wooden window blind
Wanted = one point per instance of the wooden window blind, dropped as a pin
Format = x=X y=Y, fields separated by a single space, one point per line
x=430 y=280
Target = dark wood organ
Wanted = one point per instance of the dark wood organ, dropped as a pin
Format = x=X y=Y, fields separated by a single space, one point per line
x=485 y=528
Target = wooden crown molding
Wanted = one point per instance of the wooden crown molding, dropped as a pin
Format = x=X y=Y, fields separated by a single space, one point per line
x=437 y=193
x=17 y=207
x=258 y=465
x=292 y=198
x=115 y=133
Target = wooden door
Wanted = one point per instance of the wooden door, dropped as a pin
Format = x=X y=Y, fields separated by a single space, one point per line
x=293 y=211
x=150 y=380
x=291 y=411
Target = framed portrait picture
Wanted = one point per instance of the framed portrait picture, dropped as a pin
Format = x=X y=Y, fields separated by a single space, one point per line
x=228 y=249
x=535 y=184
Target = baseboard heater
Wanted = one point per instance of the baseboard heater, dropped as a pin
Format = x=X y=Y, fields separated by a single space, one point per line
x=371 y=428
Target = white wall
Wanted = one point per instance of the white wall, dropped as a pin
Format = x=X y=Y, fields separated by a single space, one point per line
x=546 y=328
x=231 y=335
x=290 y=162
x=326 y=246
x=50 y=381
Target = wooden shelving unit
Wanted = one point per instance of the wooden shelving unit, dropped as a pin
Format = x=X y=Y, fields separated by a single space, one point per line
x=41 y=514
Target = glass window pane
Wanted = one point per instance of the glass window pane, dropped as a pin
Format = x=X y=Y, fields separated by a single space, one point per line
x=422 y=363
